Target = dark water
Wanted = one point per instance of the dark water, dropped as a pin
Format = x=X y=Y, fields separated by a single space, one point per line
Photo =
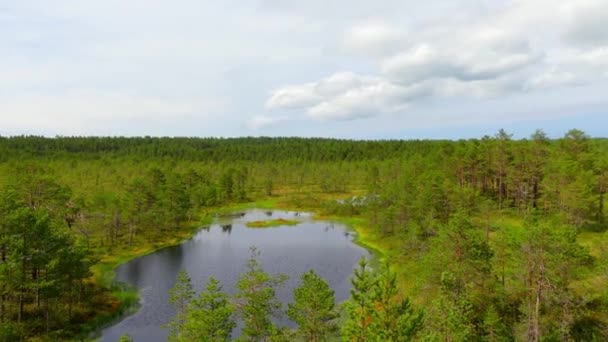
x=222 y=251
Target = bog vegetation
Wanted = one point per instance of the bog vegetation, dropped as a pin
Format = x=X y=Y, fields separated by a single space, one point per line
x=492 y=239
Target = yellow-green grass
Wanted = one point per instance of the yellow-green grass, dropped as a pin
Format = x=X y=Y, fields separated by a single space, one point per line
x=280 y=222
x=384 y=248
x=597 y=245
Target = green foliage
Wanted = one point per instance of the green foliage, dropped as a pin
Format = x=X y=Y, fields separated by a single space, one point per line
x=313 y=308
x=208 y=317
x=177 y=200
x=40 y=261
x=550 y=259
x=469 y=223
x=451 y=314
x=180 y=296
x=272 y=223
x=360 y=306
x=255 y=300
x=495 y=330
x=125 y=338
x=393 y=318
x=376 y=309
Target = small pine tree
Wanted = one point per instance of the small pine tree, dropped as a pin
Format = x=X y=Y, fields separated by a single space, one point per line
x=394 y=318
x=256 y=302
x=209 y=317
x=495 y=329
x=313 y=308
x=180 y=296
x=452 y=313
x=360 y=307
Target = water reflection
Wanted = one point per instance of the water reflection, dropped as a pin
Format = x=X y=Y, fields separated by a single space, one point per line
x=227 y=228
x=222 y=250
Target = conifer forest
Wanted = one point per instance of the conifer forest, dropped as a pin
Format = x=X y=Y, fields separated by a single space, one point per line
x=488 y=239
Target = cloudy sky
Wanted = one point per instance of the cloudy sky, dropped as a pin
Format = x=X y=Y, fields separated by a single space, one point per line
x=341 y=68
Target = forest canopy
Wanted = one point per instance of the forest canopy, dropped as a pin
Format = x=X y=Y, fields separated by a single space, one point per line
x=494 y=238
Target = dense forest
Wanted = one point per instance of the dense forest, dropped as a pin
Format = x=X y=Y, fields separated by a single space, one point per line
x=492 y=239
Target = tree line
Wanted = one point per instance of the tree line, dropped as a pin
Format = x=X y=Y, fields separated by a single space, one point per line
x=209 y=149
x=496 y=238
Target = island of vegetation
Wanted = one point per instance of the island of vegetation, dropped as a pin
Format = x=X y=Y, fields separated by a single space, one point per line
x=272 y=223
x=492 y=239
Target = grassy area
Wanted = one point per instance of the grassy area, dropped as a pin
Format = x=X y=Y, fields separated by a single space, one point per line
x=122 y=300
x=267 y=203
x=597 y=244
x=410 y=270
x=391 y=249
x=272 y=223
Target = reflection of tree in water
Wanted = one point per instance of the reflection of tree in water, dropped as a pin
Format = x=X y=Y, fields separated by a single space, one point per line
x=176 y=258
x=227 y=228
x=134 y=271
x=217 y=253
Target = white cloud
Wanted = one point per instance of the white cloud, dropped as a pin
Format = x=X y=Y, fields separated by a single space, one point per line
x=574 y=67
x=478 y=65
x=369 y=98
x=485 y=55
x=508 y=49
x=586 y=22
x=596 y=58
x=296 y=96
x=374 y=38
x=346 y=96
x=74 y=66
x=554 y=77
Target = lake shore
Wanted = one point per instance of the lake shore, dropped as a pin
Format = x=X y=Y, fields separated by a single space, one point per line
x=125 y=300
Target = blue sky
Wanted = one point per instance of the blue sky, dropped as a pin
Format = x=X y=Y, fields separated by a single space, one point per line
x=332 y=68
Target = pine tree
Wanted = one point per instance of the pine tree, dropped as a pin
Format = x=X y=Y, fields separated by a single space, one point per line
x=180 y=296
x=176 y=202
x=313 y=308
x=360 y=307
x=256 y=302
x=394 y=318
x=209 y=317
x=452 y=312
x=495 y=329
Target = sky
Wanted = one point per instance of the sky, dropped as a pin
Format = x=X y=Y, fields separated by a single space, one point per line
x=354 y=69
